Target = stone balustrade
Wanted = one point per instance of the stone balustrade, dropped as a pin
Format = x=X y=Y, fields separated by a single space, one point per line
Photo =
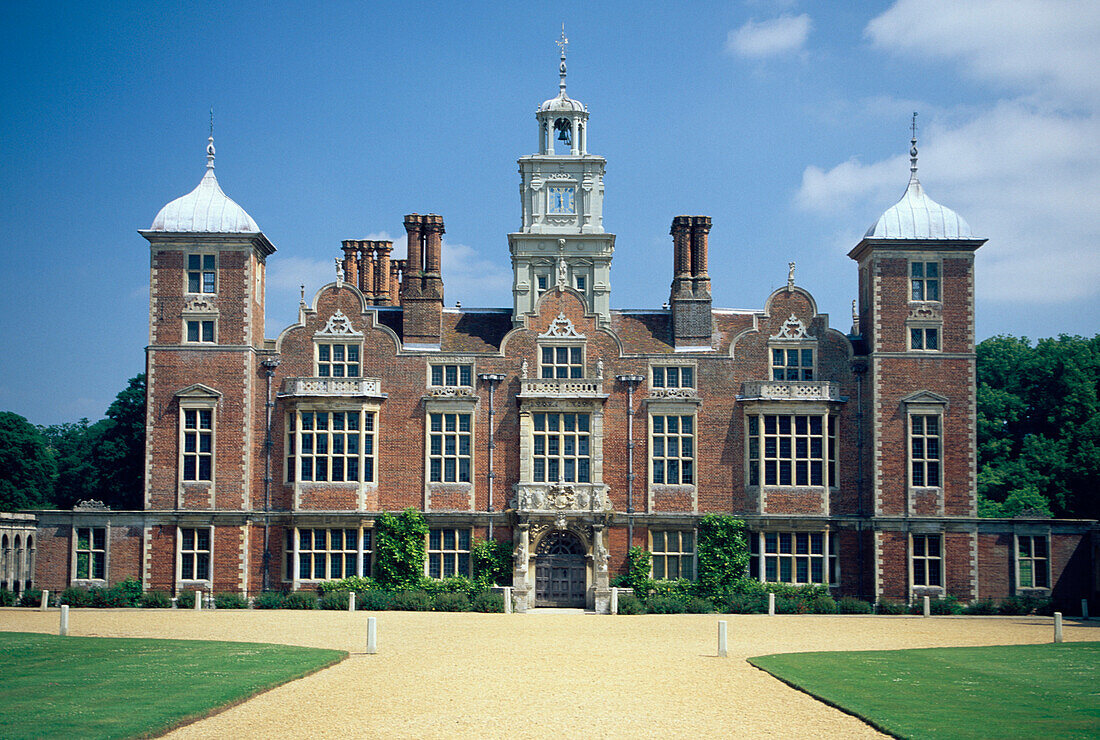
x=791 y=390
x=346 y=387
x=562 y=387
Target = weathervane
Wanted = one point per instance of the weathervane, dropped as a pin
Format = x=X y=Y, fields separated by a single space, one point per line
x=210 y=143
x=913 y=146
x=562 y=43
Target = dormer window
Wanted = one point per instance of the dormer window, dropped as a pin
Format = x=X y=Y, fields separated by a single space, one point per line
x=562 y=362
x=337 y=360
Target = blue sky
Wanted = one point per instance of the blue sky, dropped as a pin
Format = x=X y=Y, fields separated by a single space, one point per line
x=786 y=122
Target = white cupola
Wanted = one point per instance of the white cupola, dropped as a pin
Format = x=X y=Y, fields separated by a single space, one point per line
x=206 y=209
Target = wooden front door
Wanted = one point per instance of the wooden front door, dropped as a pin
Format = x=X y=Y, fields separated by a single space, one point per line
x=560 y=570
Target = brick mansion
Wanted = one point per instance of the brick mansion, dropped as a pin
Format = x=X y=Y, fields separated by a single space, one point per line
x=568 y=428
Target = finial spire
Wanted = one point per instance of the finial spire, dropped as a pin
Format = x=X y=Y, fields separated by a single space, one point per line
x=913 y=148
x=210 y=143
x=562 y=43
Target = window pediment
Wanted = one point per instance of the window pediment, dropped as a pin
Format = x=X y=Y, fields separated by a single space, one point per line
x=561 y=328
x=338 y=325
x=792 y=330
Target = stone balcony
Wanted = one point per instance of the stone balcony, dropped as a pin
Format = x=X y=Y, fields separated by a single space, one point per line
x=790 y=390
x=332 y=387
x=561 y=388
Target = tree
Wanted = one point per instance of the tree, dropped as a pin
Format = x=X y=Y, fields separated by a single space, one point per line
x=104 y=461
x=27 y=468
x=1039 y=426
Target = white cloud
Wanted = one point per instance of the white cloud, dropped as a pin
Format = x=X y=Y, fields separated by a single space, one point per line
x=1045 y=48
x=1023 y=170
x=781 y=35
x=473 y=279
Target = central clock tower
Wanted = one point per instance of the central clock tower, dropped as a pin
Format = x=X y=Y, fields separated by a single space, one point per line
x=562 y=243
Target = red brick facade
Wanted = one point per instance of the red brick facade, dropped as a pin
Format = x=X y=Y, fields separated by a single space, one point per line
x=773 y=416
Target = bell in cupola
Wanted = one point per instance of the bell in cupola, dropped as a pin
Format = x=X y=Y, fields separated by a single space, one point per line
x=565 y=131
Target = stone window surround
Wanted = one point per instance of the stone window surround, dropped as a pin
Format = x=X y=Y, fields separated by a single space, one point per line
x=443 y=551
x=672 y=362
x=431 y=362
x=924 y=326
x=779 y=408
x=291 y=556
x=197 y=398
x=330 y=340
x=923 y=403
x=681 y=553
x=90 y=524
x=199 y=318
x=914 y=587
x=830 y=554
x=450 y=405
x=595 y=411
x=799 y=345
x=1035 y=534
x=181 y=583
x=186 y=272
x=925 y=259
x=335 y=404
x=554 y=344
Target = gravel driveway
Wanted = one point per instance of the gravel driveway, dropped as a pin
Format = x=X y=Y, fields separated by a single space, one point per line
x=543 y=674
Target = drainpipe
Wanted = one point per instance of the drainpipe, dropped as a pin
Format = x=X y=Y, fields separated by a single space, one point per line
x=860 y=369
x=269 y=371
x=493 y=380
x=631 y=381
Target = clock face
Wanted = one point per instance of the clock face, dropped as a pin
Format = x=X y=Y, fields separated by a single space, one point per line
x=561 y=199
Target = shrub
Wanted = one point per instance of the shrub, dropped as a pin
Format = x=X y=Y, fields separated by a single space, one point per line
x=790 y=605
x=665 y=605
x=822 y=605
x=851 y=605
x=155 y=600
x=452 y=585
x=450 y=602
x=373 y=601
x=631 y=604
x=637 y=572
x=7 y=598
x=1026 y=605
x=351 y=583
x=129 y=591
x=76 y=596
x=492 y=561
x=699 y=605
x=890 y=606
x=680 y=588
x=488 y=602
x=270 y=600
x=745 y=604
x=109 y=598
x=334 y=601
x=228 y=600
x=982 y=607
x=300 y=600
x=722 y=549
x=411 y=601
x=399 y=549
x=186 y=599
x=947 y=605
x=31 y=597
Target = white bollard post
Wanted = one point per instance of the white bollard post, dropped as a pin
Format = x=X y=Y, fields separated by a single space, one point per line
x=372 y=636
x=1057 y=626
x=198 y=600
x=46 y=600
x=614 y=600
x=351 y=601
x=1084 y=608
x=64 y=630
x=507 y=599
x=927 y=606
x=721 y=638
x=771 y=604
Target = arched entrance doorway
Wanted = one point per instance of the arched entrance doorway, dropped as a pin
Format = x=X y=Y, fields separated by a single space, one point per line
x=560 y=570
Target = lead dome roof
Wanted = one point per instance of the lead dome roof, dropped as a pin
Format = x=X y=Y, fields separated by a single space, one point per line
x=205 y=209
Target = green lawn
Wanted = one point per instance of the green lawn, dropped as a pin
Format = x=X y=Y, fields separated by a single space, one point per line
x=93 y=687
x=1050 y=690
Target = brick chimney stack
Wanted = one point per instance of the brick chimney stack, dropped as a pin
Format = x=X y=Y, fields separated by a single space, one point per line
x=382 y=272
x=351 y=261
x=422 y=284
x=690 y=301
